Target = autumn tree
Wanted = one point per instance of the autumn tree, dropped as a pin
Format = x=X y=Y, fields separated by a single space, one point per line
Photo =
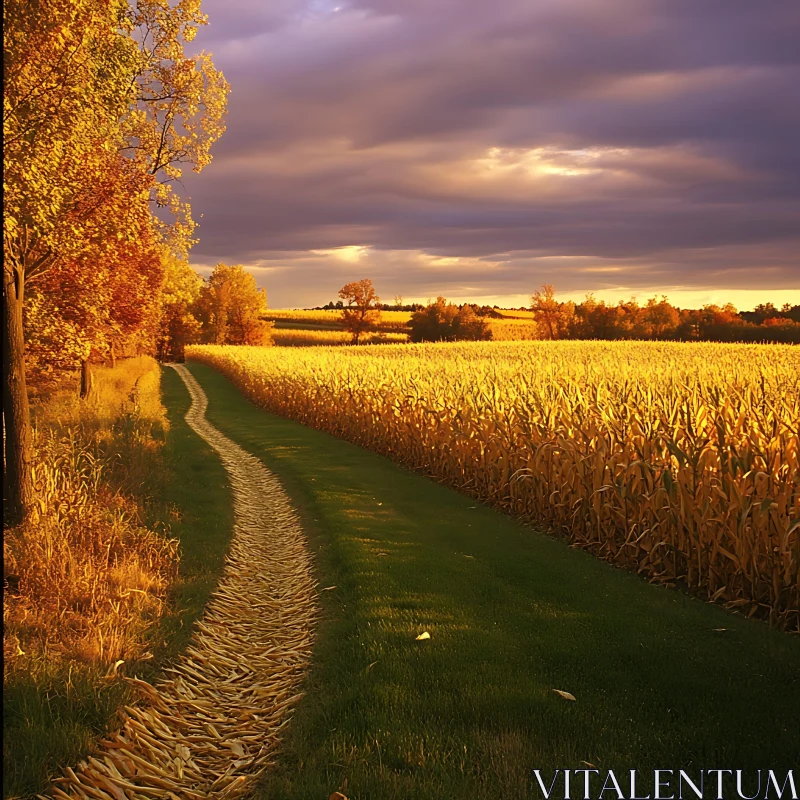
x=177 y=324
x=231 y=307
x=660 y=319
x=84 y=81
x=68 y=68
x=443 y=321
x=361 y=310
x=99 y=299
x=179 y=107
x=548 y=312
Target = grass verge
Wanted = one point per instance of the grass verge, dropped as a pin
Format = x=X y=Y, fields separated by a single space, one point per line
x=197 y=502
x=153 y=481
x=661 y=680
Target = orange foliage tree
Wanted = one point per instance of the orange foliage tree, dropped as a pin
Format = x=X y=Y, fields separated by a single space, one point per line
x=97 y=299
x=362 y=310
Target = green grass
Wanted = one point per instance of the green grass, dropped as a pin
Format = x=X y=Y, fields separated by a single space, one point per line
x=51 y=718
x=198 y=495
x=513 y=614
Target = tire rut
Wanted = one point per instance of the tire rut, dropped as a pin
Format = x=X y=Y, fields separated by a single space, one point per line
x=211 y=728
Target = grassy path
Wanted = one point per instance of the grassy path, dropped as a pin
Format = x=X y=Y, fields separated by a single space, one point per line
x=54 y=718
x=213 y=723
x=512 y=615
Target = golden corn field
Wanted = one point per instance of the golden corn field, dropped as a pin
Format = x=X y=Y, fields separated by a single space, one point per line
x=677 y=460
x=514 y=330
x=389 y=320
x=325 y=327
x=291 y=337
x=516 y=326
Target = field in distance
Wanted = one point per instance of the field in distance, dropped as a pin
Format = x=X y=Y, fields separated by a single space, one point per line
x=679 y=461
x=304 y=327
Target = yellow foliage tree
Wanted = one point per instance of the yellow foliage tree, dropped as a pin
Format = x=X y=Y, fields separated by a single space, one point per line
x=86 y=81
x=177 y=324
x=232 y=306
x=362 y=311
x=180 y=105
x=68 y=69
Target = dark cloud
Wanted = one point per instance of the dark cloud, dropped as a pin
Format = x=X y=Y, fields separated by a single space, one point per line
x=590 y=143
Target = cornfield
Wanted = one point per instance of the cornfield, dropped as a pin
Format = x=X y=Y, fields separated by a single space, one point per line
x=679 y=461
x=389 y=320
x=290 y=337
x=322 y=325
x=514 y=330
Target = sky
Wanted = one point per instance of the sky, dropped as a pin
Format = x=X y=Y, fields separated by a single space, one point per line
x=478 y=150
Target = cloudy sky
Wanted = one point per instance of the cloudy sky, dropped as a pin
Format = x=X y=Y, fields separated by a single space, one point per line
x=479 y=149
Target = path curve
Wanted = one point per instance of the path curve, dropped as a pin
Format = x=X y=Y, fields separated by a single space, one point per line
x=209 y=730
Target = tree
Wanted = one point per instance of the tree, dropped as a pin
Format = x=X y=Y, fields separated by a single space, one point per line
x=443 y=321
x=68 y=67
x=98 y=299
x=660 y=320
x=180 y=105
x=469 y=326
x=231 y=307
x=361 y=312
x=86 y=80
x=548 y=312
x=177 y=325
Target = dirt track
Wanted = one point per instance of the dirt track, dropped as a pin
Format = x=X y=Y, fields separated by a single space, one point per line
x=209 y=730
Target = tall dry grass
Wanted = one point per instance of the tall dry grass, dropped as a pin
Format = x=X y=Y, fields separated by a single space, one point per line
x=86 y=576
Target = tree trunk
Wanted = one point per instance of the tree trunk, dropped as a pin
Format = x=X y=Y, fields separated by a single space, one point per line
x=86 y=379
x=17 y=440
x=112 y=355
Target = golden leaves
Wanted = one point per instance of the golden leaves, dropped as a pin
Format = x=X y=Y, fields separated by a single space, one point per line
x=565 y=695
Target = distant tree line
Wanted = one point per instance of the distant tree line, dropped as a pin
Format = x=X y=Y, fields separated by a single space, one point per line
x=658 y=319
x=339 y=304
x=226 y=308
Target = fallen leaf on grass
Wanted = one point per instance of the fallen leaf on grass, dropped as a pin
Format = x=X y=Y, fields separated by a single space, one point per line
x=236 y=746
x=370 y=666
x=337 y=796
x=565 y=695
x=113 y=670
x=423 y=635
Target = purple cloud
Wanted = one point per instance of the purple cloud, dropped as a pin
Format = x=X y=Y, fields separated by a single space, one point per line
x=654 y=140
